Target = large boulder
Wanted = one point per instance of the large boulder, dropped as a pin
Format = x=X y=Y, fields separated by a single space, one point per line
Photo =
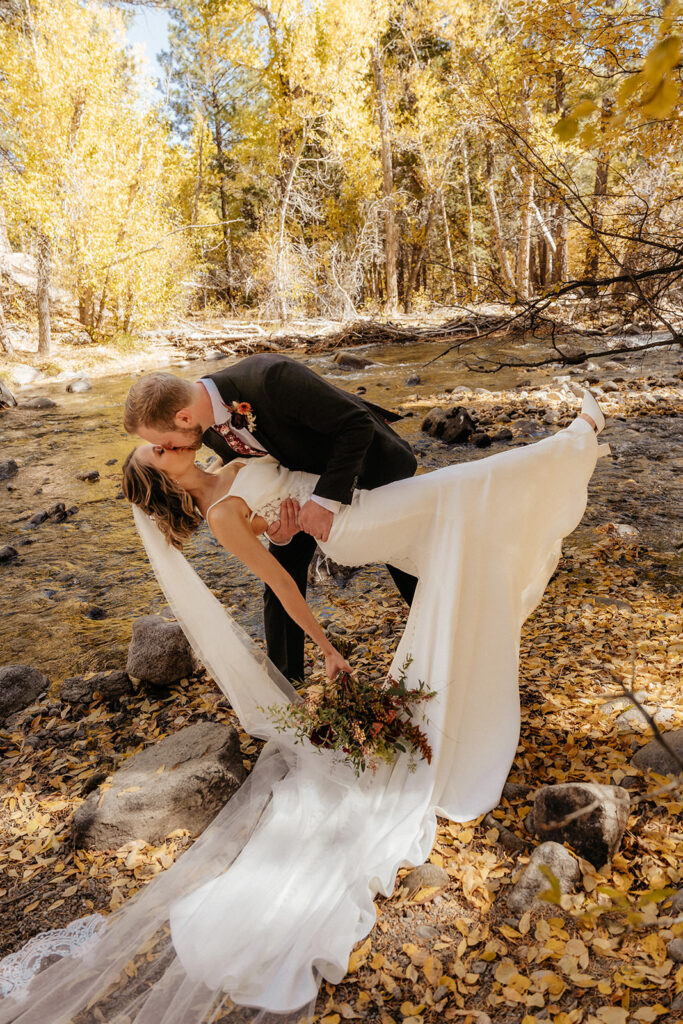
x=159 y=652
x=180 y=783
x=19 y=687
x=654 y=757
x=594 y=835
x=533 y=882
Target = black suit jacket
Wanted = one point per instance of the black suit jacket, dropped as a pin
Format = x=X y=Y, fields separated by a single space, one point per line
x=309 y=424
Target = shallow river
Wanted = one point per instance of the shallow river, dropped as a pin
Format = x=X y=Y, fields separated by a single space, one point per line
x=68 y=601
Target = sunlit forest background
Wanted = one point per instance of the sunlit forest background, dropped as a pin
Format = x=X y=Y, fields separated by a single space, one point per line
x=330 y=158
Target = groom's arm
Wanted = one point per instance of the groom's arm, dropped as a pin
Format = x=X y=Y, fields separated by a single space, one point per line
x=305 y=399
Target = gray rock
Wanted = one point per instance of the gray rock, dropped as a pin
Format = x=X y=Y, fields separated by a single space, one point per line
x=557 y=859
x=502 y=435
x=610 y=601
x=674 y=950
x=622 y=701
x=8 y=468
x=655 y=758
x=352 y=361
x=75 y=690
x=609 y=387
x=159 y=652
x=634 y=718
x=459 y=426
x=425 y=875
x=38 y=517
x=81 y=384
x=7 y=399
x=677 y=1003
x=19 y=687
x=677 y=903
x=91 y=476
x=413 y=379
x=39 y=402
x=528 y=428
x=109 y=685
x=632 y=329
x=516 y=791
x=551 y=417
x=181 y=782
x=480 y=439
x=7 y=553
x=212 y=355
x=596 y=835
x=434 y=422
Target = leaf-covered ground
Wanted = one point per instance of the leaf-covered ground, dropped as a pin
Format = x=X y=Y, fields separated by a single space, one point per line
x=454 y=951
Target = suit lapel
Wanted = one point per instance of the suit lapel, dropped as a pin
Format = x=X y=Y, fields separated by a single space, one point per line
x=229 y=392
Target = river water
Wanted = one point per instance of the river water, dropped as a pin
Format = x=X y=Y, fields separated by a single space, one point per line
x=69 y=599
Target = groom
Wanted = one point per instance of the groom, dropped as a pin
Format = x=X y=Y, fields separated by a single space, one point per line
x=269 y=404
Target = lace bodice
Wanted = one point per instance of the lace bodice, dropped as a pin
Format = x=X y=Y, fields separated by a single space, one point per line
x=264 y=484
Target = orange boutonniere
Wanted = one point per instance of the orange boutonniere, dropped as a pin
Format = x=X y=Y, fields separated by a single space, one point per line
x=242 y=416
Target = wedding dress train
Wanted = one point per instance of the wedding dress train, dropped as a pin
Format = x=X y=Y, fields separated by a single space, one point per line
x=274 y=894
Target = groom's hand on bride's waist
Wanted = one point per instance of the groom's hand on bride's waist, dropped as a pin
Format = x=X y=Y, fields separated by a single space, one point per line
x=316 y=520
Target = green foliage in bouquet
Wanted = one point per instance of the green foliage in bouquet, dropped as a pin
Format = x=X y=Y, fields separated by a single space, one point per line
x=366 y=721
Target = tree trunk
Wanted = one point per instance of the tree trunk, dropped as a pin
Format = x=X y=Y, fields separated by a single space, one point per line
x=5 y=343
x=199 y=181
x=282 y=309
x=44 y=260
x=561 y=261
x=492 y=203
x=222 y=191
x=5 y=247
x=390 y=233
x=591 y=266
x=471 y=253
x=418 y=256
x=449 y=248
x=524 y=248
x=85 y=306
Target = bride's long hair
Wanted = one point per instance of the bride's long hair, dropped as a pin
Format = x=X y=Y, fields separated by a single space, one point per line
x=172 y=508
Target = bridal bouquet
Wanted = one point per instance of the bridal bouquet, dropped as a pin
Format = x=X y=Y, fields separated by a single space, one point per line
x=366 y=721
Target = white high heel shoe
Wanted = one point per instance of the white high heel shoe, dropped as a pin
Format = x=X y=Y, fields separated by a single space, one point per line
x=592 y=409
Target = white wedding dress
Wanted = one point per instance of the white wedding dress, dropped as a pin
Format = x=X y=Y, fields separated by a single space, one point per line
x=274 y=894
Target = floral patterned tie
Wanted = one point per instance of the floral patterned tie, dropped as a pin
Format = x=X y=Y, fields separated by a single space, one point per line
x=235 y=442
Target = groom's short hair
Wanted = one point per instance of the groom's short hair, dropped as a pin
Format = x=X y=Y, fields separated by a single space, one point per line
x=154 y=400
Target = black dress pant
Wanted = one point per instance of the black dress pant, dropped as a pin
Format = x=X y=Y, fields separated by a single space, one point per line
x=284 y=639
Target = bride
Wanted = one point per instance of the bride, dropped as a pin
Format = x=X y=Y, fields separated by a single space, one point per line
x=274 y=894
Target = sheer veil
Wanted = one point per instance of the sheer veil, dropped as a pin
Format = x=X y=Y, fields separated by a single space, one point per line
x=124 y=968
x=243 y=672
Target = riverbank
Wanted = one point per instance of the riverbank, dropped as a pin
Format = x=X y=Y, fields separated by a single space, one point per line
x=185 y=339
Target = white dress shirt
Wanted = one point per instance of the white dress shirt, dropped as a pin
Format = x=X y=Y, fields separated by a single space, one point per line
x=223 y=414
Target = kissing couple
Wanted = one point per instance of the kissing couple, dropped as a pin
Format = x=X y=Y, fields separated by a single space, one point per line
x=271 y=898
